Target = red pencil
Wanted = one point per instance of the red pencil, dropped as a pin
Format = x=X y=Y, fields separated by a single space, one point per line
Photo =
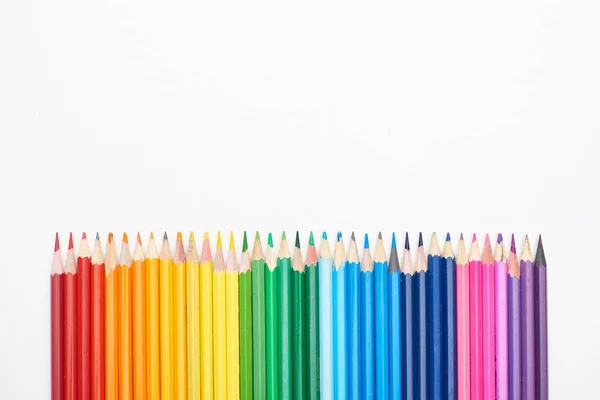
x=70 y=324
x=97 y=322
x=56 y=328
x=84 y=263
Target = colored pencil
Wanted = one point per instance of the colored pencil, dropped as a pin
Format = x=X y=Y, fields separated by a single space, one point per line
x=541 y=323
x=166 y=319
x=84 y=265
x=420 y=310
x=325 y=319
x=408 y=329
x=475 y=321
x=284 y=296
x=179 y=321
x=271 y=320
x=111 y=326
x=463 y=374
x=514 y=323
x=233 y=330
x=449 y=321
x=125 y=341
x=97 y=301
x=152 y=321
x=57 y=319
x=353 y=321
x=138 y=276
x=312 y=320
x=435 y=328
x=380 y=289
x=299 y=333
x=219 y=323
x=206 y=321
x=395 y=322
x=501 y=321
x=367 y=318
x=245 y=305
x=488 y=321
x=338 y=296
x=192 y=277
x=259 y=361
x=70 y=323
x=527 y=324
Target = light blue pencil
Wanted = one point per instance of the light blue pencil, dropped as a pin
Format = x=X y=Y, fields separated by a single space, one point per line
x=395 y=324
x=380 y=285
x=367 y=319
x=353 y=321
x=339 y=320
x=325 y=318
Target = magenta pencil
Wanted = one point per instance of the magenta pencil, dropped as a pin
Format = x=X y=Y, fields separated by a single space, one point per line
x=463 y=376
x=488 y=316
x=475 y=320
x=501 y=321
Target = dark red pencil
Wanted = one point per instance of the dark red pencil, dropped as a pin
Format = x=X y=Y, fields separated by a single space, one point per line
x=70 y=324
x=56 y=328
x=84 y=263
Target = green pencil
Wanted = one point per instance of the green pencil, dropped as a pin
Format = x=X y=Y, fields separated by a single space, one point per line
x=299 y=342
x=271 y=322
x=312 y=320
x=245 y=310
x=259 y=367
x=284 y=265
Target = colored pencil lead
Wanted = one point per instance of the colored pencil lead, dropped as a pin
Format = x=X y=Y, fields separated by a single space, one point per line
x=297 y=244
x=311 y=239
x=448 y=237
x=540 y=257
x=231 y=241
x=366 y=244
x=394 y=265
x=406 y=242
x=245 y=243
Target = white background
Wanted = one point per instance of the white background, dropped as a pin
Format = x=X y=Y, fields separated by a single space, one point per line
x=431 y=115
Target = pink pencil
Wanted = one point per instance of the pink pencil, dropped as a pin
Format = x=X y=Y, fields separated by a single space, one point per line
x=501 y=322
x=476 y=328
x=462 y=323
x=488 y=317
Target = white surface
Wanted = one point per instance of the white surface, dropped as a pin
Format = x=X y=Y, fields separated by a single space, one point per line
x=433 y=115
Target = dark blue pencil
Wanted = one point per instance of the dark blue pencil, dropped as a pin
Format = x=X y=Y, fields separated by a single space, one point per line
x=449 y=321
x=408 y=346
x=420 y=313
x=394 y=323
x=434 y=327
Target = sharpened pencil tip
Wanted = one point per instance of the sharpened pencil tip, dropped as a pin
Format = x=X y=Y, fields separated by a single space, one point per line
x=420 y=239
x=462 y=237
x=257 y=236
x=192 y=238
x=379 y=236
x=231 y=241
x=56 y=243
x=500 y=239
x=245 y=242
x=311 y=239
x=448 y=237
x=366 y=245
x=83 y=236
x=339 y=236
x=513 y=246
x=393 y=239
x=270 y=240
x=297 y=239
x=125 y=238
x=324 y=236
x=179 y=237
x=406 y=242
x=165 y=236
x=205 y=235
x=151 y=235
x=139 y=238
x=70 y=240
x=352 y=237
x=219 y=244
x=540 y=257
x=110 y=237
x=487 y=240
x=283 y=236
x=474 y=238
x=97 y=236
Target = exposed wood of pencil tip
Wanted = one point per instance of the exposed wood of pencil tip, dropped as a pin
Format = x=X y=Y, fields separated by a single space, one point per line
x=353 y=250
x=165 y=250
x=257 y=251
x=284 y=251
x=311 y=252
x=526 y=255
x=434 y=246
x=514 y=269
x=324 y=249
x=151 y=252
x=138 y=252
x=110 y=263
x=125 y=256
x=71 y=265
x=231 y=265
x=84 y=248
x=487 y=258
x=297 y=263
x=245 y=261
x=407 y=267
x=379 y=256
x=499 y=253
x=206 y=254
x=461 y=256
x=421 y=264
x=219 y=261
x=270 y=256
x=448 y=249
x=339 y=254
x=474 y=253
x=179 y=256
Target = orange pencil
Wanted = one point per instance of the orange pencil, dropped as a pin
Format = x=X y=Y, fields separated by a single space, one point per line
x=111 y=362
x=152 y=322
x=123 y=272
x=97 y=277
x=139 y=321
x=70 y=324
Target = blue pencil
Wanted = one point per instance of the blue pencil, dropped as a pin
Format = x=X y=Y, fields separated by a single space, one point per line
x=367 y=335
x=434 y=326
x=380 y=286
x=421 y=323
x=339 y=320
x=395 y=338
x=325 y=318
x=449 y=321
x=352 y=321
x=408 y=345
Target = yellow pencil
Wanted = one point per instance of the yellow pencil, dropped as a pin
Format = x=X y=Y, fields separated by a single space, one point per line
x=166 y=321
x=192 y=271
x=206 y=322
x=219 y=323
x=152 y=325
x=233 y=333
x=125 y=322
x=179 y=329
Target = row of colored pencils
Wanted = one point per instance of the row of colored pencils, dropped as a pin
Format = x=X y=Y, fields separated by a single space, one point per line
x=177 y=325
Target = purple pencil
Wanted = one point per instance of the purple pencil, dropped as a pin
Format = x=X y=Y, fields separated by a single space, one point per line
x=541 y=324
x=501 y=321
x=527 y=324
x=513 y=301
